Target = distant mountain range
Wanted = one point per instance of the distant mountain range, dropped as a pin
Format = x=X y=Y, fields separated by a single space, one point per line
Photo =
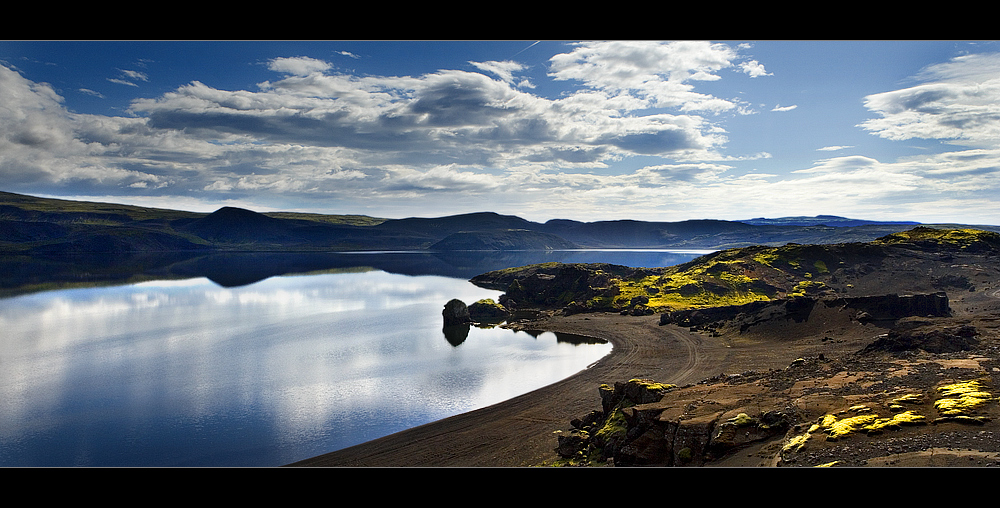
x=823 y=220
x=36 y=226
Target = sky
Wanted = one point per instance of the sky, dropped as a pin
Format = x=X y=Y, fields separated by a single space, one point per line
x=585 y=130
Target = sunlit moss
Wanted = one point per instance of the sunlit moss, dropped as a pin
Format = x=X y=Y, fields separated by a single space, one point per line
x=807 y=286
x=960 y=238
x=867 y=421
x=796 y=443
x=651 y=385
x=896 y=421
x=711 y=285
x=767 y=258
x=614 y=426
x=843 y=427
x=910 y=398
x=961 y=398
x=741 y=420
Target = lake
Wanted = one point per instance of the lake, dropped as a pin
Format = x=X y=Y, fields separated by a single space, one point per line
x=257 y=359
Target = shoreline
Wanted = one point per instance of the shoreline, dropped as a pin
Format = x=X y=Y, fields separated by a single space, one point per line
x=519 y=432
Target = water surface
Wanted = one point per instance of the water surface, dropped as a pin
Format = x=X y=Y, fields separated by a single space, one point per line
x=248 y=368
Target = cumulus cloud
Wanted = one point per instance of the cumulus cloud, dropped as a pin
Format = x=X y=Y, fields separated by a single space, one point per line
x=658 y=73
x=298 y=66
x=754 y=69
x=958 y=101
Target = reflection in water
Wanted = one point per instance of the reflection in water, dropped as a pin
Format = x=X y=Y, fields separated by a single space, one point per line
x=180 y=360
x=456 y=334
x=187 y=372
x=21 y=274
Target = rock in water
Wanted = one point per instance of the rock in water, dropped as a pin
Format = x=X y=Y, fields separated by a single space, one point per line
x=455 y=313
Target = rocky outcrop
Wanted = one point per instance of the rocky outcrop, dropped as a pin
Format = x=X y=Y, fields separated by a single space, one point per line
x=636 y=427
x=929 y=338
x=571 y=287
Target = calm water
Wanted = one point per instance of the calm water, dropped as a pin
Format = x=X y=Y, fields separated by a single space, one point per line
x=219 y=370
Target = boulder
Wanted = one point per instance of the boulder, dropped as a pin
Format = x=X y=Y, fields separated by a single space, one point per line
x=455 y=313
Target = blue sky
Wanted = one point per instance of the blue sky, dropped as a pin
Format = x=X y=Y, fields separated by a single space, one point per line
x=593 y=130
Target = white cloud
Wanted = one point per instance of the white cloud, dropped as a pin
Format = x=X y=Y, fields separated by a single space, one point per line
x=122 y=82
x=754 y=69
x=505 y=70
x=298 y=66
x=834 y=148
x=779 y=107
x=959 y=102
x=141 y=76
x=378 y=143
x=656 y=72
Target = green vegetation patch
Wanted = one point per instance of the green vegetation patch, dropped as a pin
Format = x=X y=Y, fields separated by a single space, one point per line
x=651 y=385
x=866 y=420
x=961 y=399
x=713 y=281
x=807 y=287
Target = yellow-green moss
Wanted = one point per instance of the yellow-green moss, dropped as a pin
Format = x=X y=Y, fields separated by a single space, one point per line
x=867 y=421
x=840 y=428
x=807 y=286
x=960 y=238
x=651 y=385
x=796 y=443
x=961 y=398
x=614 y=426
x=741 y=420
x=490 y=302
x=896 y=421
x=692 y=288
x=767 y=258
x=909 y=398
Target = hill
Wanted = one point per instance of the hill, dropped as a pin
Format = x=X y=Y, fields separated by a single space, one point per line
x=738 y=276
x=822 y=220
x=34 y=225
x=504 y=240
x=877 y=353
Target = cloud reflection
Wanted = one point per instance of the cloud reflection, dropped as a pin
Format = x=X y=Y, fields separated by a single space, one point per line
x=287 y=368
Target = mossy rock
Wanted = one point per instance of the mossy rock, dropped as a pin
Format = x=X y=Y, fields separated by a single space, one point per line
x=488 y=311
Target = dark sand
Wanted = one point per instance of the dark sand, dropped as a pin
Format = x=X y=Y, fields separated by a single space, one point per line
x=519 y=431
